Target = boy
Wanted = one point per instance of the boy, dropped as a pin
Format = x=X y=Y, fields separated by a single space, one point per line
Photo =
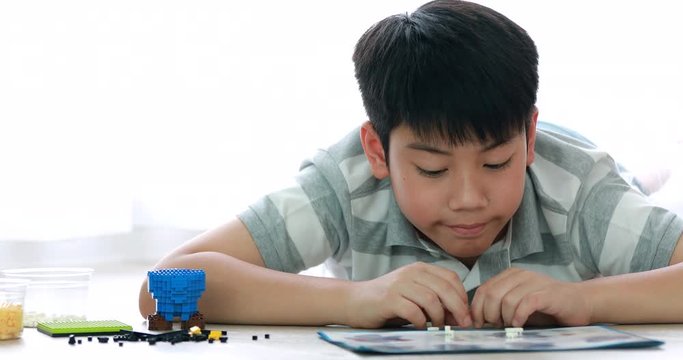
x=446 y=206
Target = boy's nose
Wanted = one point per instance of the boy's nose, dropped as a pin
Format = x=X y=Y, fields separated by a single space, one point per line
x=466 y=194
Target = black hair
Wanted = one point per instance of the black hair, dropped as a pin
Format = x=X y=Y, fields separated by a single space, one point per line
x=451 y=70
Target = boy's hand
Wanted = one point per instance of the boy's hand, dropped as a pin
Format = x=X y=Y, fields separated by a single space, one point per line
x=417 y=293
x=517 y=297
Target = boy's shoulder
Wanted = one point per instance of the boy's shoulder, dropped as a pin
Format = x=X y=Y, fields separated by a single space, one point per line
x=347 y=147
x=564 y=155
x=567 y=170
x=345 y=167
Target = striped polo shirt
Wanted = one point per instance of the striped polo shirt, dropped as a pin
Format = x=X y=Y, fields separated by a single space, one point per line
x=578 y=219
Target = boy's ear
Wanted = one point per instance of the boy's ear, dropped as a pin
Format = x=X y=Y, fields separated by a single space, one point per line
x=531 y=138
x=374 y=151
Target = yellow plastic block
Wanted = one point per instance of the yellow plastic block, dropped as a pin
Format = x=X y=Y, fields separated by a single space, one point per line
x=195 y=330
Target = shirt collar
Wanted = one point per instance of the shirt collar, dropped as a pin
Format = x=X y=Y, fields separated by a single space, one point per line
x=400 y=232
x=526 y=235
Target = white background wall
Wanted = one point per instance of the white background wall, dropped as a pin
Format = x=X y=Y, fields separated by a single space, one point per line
x=117 y=116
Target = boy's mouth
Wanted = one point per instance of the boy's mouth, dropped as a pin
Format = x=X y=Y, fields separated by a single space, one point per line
x=468 y=230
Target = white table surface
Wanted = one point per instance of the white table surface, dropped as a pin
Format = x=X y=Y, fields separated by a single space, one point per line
x=113 y=296
x=288 y=342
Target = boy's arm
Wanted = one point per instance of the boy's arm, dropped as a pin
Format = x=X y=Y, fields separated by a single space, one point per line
x=239 y=289
x=517 y=297
x=654 y=296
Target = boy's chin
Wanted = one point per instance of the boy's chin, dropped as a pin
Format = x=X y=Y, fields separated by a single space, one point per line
x=470 y=250
x=465 y=250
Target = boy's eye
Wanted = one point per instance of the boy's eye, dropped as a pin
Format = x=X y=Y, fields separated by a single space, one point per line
x=498 y=166
x=430 y=173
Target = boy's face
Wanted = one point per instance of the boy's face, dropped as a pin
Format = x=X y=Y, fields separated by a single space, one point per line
x=459 y=197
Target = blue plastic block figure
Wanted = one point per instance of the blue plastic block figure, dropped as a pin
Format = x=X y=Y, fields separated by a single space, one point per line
x=176 y=292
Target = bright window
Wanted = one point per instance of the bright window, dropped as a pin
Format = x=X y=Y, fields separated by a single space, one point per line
x=123 y=115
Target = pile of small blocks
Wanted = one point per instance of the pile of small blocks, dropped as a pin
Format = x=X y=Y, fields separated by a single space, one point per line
x=195 y=334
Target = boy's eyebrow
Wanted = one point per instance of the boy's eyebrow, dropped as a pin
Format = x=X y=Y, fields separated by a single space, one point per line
x=496 y=144
x=436 y=150
x=428 y=148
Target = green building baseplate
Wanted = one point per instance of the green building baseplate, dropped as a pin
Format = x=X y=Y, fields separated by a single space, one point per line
x=82 y=328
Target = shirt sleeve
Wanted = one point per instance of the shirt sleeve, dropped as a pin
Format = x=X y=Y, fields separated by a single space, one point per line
x=299 y=226
x=622 y=231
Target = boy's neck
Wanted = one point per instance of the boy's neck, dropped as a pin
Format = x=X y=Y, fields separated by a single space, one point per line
x=468 y=261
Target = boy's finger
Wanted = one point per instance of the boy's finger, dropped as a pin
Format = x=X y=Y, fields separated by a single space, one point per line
x=513 y=298
x=428 y=301
x=452 y=278
x=449 y=297
x=411 y=312
x=487 y=301
x=521 y=286
x=541 y=308
x=477 y=307
x=492 y=307
x=485 y=307
x=527 y=306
